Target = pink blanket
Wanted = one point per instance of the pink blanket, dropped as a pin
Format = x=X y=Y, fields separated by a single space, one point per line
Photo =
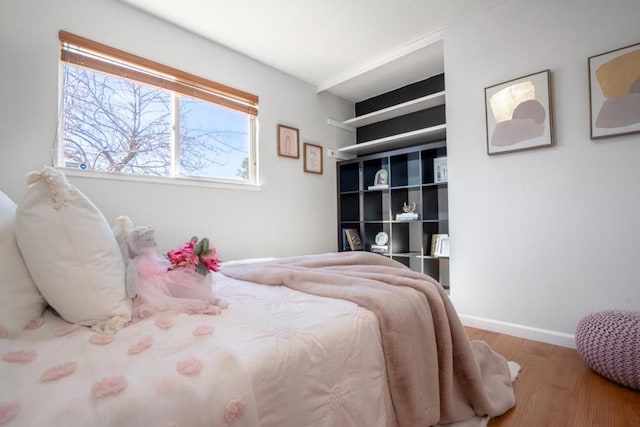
x=435 y=374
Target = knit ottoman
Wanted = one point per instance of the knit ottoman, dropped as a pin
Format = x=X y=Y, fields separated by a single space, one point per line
x=609 y=343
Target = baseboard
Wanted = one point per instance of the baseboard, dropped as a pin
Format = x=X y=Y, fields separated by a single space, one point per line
x=526 y=332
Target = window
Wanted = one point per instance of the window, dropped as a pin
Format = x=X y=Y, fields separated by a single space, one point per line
x=124 y=114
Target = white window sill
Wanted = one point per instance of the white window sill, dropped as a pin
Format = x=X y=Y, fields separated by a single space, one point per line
x=189 y=182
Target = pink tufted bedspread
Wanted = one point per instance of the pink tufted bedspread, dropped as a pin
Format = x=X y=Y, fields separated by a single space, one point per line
x=275 y=357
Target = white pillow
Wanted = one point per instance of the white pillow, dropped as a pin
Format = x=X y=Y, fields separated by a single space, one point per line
x=71 y=253
x=20 y=300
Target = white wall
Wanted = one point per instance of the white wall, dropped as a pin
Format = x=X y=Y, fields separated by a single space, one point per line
x=295 y=212
x=541 y=237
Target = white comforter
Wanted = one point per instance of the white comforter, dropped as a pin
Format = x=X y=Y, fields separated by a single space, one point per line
x=275 y=357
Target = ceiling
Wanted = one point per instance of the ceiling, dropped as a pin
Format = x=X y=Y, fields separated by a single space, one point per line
x=354 y=49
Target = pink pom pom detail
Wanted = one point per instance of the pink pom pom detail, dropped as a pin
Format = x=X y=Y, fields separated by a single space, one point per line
x=141 y=345
x=202 y=330
x=19 y=356
x=234 y=410
x=8 y=411
x=101 y=339
x=109 y=386
x=34 y=324
x=164 y=323
x=67 y=331
x=4 y=333
x=58 y=372
x=189 y=366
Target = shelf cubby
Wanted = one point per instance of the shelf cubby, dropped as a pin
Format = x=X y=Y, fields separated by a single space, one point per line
x=350 y=207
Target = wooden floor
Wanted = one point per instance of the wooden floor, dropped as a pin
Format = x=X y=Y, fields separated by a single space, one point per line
x=556 y=389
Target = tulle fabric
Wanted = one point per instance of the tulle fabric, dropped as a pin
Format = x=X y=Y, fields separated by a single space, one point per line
x=161 y=289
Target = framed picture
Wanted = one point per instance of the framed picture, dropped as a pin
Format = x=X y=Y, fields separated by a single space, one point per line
x=288 y=142
x=381 y=178
x=440 y=172
x=518 y=114
x=614 y=92
x=312 y=158
x=440 y=245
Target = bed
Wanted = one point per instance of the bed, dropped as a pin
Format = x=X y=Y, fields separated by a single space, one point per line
x=345 y=339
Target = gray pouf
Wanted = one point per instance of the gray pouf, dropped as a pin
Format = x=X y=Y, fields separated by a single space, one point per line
x=609 y=343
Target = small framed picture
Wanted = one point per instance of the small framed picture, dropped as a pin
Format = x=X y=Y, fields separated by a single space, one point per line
x=440 y=173
x=381 y=178
x=442 y=247
x=312 y=158
x=437 y=243
x=614 y=92
x=288 y=142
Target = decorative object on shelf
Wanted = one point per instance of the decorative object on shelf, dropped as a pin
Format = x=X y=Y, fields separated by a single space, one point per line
x=409 y=208
x=437 y=245
x=380 y=246
x=312 y=158
x=440 y=172
x=288 y=142
x=518 y=114
x=380 y=181
x=382 y=238
x=408 y=212
x=200 y=256
x=614 y=92
x=353 y=237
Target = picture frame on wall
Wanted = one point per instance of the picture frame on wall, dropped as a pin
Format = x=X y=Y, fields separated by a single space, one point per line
x=518 y=114
x=614 y=92
x=288 y=142
x=312 y=158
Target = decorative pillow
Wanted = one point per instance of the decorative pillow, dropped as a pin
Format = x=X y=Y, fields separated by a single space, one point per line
x=71 y=253
x=20 y=300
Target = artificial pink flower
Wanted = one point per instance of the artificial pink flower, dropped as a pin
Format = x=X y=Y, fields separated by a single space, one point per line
x=8 y=411
x=200 y=256
x=202 y=330
x=57 y=372
x=34 y=324
x=141 y=345
x=189 y=366
x=101 y=339
x=19 y=356
x=164 y=323
x=109 y=386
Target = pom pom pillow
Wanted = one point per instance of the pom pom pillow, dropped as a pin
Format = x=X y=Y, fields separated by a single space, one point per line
x=71 y=253
x=20 y=301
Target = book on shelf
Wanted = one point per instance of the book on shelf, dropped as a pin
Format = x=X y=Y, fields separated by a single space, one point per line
x=353 y=237
x=406 y=216
x=345 y=241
